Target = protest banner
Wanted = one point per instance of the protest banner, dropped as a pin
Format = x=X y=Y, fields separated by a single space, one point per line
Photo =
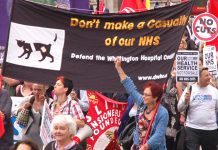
x=16 y=101
x=45 y=129
x=209 y=59
x=103 y=117
x=83 y=47
x=187 y=66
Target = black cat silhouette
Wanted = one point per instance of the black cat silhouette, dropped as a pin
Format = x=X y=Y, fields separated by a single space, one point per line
x=43 y=48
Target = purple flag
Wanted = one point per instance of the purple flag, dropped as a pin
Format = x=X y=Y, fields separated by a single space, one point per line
x=5 y=8
x=80 y=6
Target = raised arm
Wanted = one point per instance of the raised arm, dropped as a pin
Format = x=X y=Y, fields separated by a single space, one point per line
x=119 y=68
x=10 y=81
x=128 y=83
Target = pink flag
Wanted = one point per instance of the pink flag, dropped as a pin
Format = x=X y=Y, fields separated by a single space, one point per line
x=131 y=6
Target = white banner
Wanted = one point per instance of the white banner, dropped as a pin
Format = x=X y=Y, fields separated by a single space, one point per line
x=209 y=59
x=17 y=128
x=187 y=66
x=45 y=132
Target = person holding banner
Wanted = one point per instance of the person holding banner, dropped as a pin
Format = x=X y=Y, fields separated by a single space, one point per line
x=63 y=128
x=169 y=101
x=64 y=104
x=190 y=44
x=201 y=104
x=152 y=118
x=33 y=105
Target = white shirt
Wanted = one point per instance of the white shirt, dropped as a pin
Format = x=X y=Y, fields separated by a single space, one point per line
x=202 y=108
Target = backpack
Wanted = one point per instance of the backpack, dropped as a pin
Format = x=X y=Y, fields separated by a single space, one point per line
x=126 y=136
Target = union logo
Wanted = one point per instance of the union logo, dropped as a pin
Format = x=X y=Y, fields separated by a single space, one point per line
x=93 y=98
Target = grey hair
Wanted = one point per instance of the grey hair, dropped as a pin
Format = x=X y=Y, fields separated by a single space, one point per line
x=65 y=120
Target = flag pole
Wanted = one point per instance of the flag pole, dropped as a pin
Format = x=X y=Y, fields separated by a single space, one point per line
x=98 y=6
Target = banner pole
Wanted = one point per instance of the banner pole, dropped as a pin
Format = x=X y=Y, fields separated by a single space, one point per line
x=98 y=6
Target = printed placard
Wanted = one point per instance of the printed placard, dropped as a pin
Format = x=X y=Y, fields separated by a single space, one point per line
x=187 y=66
x=205 y=27
x=209 y=59
x=16 y=101
x=45 y=132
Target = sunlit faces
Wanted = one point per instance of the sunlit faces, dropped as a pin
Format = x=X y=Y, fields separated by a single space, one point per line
x=59 y=88
x=147 y=95
x=61 y=132
x=23 y=147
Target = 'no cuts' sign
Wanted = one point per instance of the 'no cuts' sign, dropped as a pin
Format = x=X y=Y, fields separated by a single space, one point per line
x=205 y=27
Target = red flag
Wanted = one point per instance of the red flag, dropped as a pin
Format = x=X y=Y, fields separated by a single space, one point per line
x=103 y=117
x=113 y=145
x=130 y=6
x=141 y=5
x=101 y=7
x=2 y=127
x=213 y=9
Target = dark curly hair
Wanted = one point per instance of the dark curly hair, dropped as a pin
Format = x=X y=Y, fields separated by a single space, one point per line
x=28 y=142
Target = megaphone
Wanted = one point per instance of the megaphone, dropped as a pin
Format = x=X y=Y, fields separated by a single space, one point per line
x=83 y=133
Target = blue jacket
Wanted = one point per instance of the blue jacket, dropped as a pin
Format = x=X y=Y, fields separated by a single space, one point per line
x=157 y=139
